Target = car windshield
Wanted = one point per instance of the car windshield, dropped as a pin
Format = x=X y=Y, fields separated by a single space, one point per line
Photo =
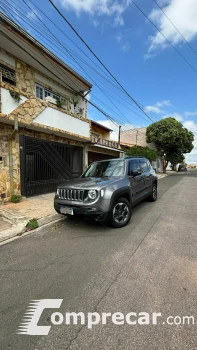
x=109 y=168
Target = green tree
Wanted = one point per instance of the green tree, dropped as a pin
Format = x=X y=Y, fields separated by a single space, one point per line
x=174 y=159
x=171 y=139
x=143 y=152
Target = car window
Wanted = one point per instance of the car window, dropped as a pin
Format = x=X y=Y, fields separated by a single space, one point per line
x=149 y=165
x=105 y=169
x=133 y=166
x=144 y=167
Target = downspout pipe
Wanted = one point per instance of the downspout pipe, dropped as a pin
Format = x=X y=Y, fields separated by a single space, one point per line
x=11 y=137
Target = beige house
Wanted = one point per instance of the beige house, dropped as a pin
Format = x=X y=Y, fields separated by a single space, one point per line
x=43 y=116
x=132 y=137
x=101 y=147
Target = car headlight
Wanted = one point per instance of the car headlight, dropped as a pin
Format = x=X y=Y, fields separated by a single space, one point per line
x=92 y=194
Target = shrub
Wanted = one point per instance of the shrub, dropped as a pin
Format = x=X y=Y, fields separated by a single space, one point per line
x=59 y=103
x=32 y=224
x=15 y=95
x=15 y=198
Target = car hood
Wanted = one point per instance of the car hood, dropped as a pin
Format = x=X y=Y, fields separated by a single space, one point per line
x=88 y=183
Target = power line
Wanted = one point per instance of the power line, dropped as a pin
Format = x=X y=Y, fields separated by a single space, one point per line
x=79 y=36
x=64 y=47
x=88 y=75
x=93 y=104
x=154 y=25
x=108 y=116
x=175 y=27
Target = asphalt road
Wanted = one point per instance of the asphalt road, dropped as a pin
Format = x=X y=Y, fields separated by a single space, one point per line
x=148 y=266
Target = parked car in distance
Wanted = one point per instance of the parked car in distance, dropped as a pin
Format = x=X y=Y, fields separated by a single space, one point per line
x=108 y=190
x=182 y=167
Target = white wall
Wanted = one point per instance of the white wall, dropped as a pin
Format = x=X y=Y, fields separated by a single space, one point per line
x=57 y=119
x=61 y=90
x=8 y=104
x=7 y=59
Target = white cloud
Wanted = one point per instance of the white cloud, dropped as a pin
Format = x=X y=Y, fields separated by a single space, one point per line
x=96 y=23
x=191 y=126
x=153 y=109
x=192 y=157
x=125 y=47
x=119 y=37
x=183 y=14
x=175 y=115
x=156 y=108
x=108 y=8
x=190 y=114
x=163 y=103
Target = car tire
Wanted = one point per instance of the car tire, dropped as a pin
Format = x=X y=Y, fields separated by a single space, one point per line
x=57 y=211
x=120 y=213
x=153 y=196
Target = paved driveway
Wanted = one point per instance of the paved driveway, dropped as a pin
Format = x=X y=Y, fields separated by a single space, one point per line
x=148 y=266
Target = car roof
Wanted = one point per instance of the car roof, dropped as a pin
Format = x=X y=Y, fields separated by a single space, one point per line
x=135 y=157
x=116 y=159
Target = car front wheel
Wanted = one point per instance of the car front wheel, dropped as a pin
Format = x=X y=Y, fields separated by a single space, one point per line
x=153 y=196
x=121 y=213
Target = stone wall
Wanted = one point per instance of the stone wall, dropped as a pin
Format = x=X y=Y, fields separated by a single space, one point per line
x=25 y=77
x=5 y=132
x=32 y=107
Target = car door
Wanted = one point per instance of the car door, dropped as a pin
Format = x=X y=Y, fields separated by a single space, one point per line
x=136 y=182
x=146 y=173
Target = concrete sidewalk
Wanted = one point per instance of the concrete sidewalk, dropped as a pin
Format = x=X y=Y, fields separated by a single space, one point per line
x=14 y=217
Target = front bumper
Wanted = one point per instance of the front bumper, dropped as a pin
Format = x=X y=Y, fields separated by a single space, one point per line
x=94 y=213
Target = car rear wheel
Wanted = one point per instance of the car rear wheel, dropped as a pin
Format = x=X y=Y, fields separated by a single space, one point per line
x=121 y=213
x=153 y=196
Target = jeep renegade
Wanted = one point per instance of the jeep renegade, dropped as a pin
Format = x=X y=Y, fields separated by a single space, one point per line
x=108 y=190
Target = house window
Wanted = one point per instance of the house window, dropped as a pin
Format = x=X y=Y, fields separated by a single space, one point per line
x=42 y=93
x=39 y=92
x=8 y=75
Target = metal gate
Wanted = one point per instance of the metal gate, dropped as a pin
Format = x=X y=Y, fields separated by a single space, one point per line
x=46 y=164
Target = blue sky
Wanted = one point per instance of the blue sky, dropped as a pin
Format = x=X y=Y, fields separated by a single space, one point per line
x=139 y=57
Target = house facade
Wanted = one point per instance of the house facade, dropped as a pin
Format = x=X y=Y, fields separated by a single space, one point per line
x=101 y=147
x=44 y=128
x=132 y=137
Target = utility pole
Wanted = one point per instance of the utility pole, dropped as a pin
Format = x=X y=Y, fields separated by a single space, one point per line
x=119 y=135
x=136 y=137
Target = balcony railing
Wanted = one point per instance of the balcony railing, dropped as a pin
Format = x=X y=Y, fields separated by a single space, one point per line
x=107 y=143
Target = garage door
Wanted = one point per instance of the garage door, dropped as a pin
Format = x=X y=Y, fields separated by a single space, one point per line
x=93 y=156
x=45 y=165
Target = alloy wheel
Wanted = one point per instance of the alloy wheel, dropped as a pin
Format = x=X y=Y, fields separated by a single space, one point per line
x=154 y=192
x=120 y=213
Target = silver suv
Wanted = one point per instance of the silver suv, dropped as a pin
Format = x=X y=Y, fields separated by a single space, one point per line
x=108 y=190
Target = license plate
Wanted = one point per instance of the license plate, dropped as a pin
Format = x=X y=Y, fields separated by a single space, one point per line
x=66 y=210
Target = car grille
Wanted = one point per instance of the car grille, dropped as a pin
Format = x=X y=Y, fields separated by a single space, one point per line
x=71 y=195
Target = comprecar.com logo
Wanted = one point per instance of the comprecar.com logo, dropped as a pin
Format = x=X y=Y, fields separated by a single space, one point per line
x=29 y=324
x=34 y=311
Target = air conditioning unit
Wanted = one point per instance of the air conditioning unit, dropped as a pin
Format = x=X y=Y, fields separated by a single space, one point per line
x=50 y=99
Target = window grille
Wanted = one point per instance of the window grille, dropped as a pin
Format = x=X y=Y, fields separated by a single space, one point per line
x=8 y=75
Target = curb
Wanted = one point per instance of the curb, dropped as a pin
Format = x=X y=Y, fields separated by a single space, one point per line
x=19 y=222
x=10 y=234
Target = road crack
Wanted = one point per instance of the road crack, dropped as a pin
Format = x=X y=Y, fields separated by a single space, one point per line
x=114 y=281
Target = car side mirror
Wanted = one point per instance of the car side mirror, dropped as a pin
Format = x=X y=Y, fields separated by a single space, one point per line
x=136 y=173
